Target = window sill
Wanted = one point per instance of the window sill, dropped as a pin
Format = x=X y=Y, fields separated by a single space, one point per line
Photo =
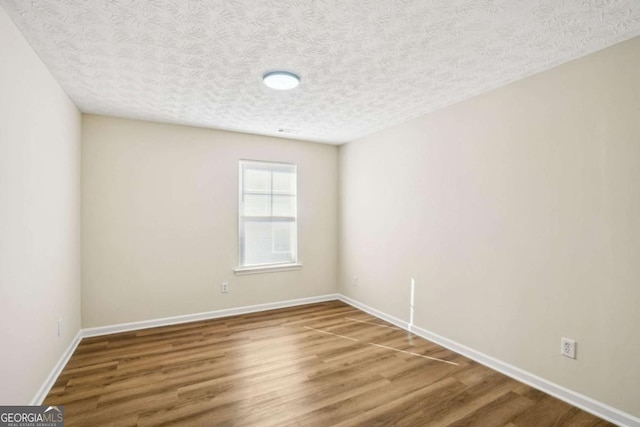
x=240 y=271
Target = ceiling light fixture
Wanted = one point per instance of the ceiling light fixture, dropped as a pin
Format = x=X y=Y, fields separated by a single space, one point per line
x=281 y=80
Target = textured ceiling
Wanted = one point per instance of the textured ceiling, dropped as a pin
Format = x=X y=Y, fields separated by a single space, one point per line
x=365 y=64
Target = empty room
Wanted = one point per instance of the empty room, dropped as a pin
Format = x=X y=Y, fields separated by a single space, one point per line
x=320 y=213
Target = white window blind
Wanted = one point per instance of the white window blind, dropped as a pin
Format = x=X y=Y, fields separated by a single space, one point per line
x=268 y=214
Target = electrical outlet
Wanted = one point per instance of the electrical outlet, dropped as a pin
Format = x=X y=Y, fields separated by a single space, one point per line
x=355 y=281
x=568 y=348
x=225 y=287
x=59 y=326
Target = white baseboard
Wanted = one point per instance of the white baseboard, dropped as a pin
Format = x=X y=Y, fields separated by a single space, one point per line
x=593 y=406
x=53 y=376
x=133 y=326
x=581 y=401
x=372 y=311
x=145 y=324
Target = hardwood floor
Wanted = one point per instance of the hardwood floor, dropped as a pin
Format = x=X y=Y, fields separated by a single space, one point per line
x=325 y=364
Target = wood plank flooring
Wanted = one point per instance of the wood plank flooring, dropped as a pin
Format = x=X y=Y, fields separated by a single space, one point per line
x=325 y=364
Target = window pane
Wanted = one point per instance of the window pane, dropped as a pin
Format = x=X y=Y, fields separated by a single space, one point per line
x=284 y=182
x=256 y=205
x=257 y=180
x=268 y=242
x=283 y=234
x=284 y=206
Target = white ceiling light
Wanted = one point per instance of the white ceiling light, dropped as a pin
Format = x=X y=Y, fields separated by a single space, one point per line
x=281 y=80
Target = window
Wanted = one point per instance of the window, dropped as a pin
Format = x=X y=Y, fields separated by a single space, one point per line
x=268 y=226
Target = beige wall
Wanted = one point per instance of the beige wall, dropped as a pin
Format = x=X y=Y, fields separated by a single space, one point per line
x=518 y=214
x=160 y=220
x=39 y=219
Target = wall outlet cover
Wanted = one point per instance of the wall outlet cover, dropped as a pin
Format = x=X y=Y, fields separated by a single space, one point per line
x=568 y=348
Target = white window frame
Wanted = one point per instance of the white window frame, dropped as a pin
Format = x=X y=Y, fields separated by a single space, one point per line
x=271 y=267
